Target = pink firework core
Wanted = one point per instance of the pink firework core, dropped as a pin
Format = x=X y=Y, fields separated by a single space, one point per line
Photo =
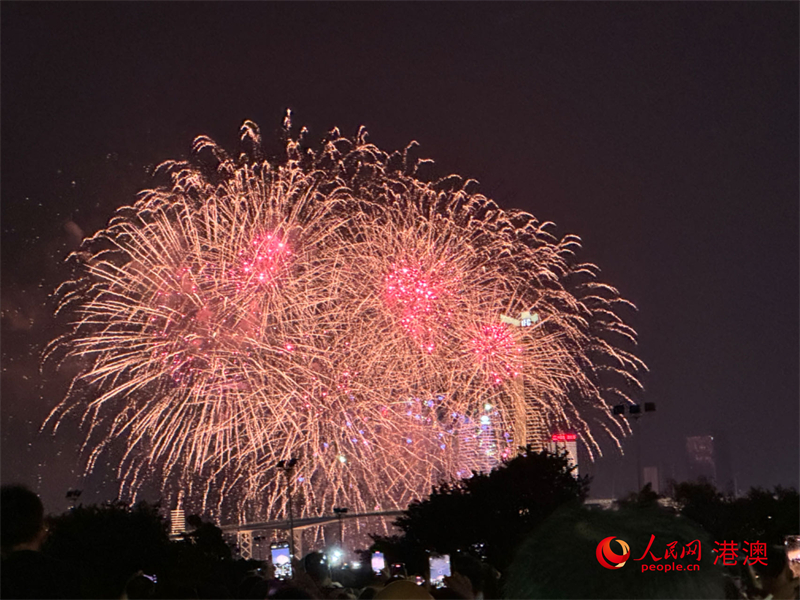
x=262 y=263
x=415 y=297
x=497 y=353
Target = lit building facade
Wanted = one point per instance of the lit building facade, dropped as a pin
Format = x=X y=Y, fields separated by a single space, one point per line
x=708 y=458
x=565 y=442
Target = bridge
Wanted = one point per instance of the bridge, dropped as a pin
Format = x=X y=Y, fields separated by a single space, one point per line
x=244 y=531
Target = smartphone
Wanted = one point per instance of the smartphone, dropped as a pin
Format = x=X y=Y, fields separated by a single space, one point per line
x=439 y=566
x=378 y=562
x=281 y=560
x=397 y=569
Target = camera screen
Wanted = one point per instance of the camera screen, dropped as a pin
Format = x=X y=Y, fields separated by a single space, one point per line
x=378 y=562
x=282 y=561
x=440 y=568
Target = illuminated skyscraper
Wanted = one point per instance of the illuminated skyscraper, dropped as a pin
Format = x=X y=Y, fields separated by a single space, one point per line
x=479 y=447
x=178 y=522
x=707 y=458
x=530 y=429
x=566 y=442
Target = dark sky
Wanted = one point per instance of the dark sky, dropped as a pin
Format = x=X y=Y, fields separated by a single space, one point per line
x=664 y=134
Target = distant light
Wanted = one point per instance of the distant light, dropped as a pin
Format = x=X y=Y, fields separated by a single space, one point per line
x=342 y=458
x=356 y=565
x=485 y=420
x=487 y=406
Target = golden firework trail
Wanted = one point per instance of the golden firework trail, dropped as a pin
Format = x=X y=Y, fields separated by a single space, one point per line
x=333 y=307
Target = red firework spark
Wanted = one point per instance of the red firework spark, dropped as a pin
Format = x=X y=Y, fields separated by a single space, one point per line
x=262 y=263
x=497 y=353
x=415 y=297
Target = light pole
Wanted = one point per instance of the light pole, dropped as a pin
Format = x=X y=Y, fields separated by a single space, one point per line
x=339 y=512
x=287 y=466
x=635 y=413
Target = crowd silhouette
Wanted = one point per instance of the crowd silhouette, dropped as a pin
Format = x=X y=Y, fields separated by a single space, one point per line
x=121 y=551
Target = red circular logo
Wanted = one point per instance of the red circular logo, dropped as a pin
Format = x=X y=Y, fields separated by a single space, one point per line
x=607 y=557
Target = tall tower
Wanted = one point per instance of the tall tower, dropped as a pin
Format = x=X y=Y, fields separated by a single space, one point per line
x=566 y=442
x=479 y=446
x=177 y=518
x=177 y=522
x=700 y=458
x=530 y=427
x=478 y=436
x=708 y=457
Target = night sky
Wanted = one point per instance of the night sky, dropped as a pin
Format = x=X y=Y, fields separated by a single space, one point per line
x=664 y=134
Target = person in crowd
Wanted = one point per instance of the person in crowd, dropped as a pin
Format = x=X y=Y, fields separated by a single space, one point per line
x=457 y=586
x=316 y=568
x=26 y=572
x=469 y=576
x=403 y=589
x=292 y=592
x=773 y=580
x=140 y=587
x=368 y=593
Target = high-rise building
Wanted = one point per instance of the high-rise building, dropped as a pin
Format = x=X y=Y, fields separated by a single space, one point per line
x=178 y=522
x=530 y=428
x=479 y=448
x=722 y=458
x=484 y=441
x=566 y=442
x=708 y=458
x=700 y=461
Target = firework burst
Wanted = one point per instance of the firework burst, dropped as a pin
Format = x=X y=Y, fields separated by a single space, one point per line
x=332 y=307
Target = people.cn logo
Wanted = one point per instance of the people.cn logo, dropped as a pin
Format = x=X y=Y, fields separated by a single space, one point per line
x=607 y=557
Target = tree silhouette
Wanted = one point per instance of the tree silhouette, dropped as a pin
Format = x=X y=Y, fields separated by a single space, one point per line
x=489 y=514
x=105 y=545
x=761 y=515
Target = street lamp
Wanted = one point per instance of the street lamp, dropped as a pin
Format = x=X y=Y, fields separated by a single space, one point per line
x=339 y=512
x=635 y=412
x=287 y=466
